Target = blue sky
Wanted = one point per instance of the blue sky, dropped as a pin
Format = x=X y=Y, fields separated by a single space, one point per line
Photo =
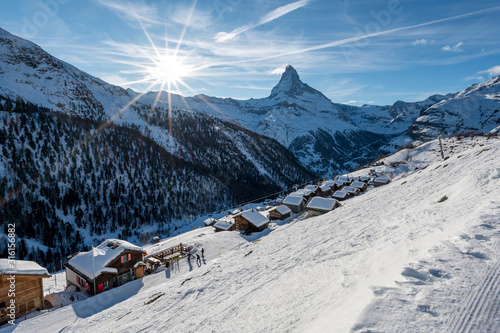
x=355 y=52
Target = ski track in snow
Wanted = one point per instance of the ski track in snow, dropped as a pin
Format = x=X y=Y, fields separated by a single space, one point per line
x=481 y=303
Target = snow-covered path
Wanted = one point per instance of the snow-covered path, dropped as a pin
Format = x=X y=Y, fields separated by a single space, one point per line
x=399 y=258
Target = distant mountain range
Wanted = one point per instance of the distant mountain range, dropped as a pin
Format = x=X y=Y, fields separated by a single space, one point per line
x=326 y=137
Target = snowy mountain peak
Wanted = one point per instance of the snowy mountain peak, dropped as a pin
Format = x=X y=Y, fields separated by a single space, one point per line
x=291 y=85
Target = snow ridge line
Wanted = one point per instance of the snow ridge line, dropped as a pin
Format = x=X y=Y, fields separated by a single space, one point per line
x=478 y=300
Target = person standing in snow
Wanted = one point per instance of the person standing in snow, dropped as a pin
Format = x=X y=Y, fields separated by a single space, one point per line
x=189 y=256
x=198 y=259
x=203 y=253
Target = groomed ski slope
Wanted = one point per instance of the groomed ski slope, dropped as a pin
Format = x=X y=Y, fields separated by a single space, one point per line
x=393 y=259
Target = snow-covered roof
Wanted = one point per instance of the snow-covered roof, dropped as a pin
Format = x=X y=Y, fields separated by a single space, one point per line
x=350 y=189
x=319 y=203
x=105 y=252
x=325 y=187
x=255 y=217
x=21 y=267
x=364 y=179
x=328 y=183
x=311 y=187
x=139 y=263
x=339 y=182
x=225 y=223
x=358 y=184
x=282 y=209
x=382 y=180
x=209 y=221
x=293 y=200
x=340 y=194
x=302 y=192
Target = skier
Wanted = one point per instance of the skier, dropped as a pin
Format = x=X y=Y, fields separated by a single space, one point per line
x=189 y=256
x=203 y=253
x=198 y=259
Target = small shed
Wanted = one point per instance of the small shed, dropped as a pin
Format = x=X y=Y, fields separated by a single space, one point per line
x=280 y=213
x=225 y=224
x=325 y=190
x=351 y=190
x=27 y=277
x=313 y=188
x=340 y=195
x=361 y=185
x=295 y=203
x=364 y=179
x=339 y=184
x=380 y=181
x=318 y=205
x=155 y=240
x=251 y=220
x=306 y=194
x=209 y=222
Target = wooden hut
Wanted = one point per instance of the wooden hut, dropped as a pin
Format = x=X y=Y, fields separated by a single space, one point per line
x=209 y=222
x=340 y=195
x=314 y=189
x=251 y=220
x=361 y=185
x=295 y=203
x=326 y=189
x=379 y=181
x=280 y=213
x=225 y=224
x=351 y=190
x=21 y=288
x=111 y=264
x=306 y=194
x=319 y=205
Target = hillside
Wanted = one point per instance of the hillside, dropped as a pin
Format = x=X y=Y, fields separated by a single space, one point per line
x=69 y=181
x=419 y=254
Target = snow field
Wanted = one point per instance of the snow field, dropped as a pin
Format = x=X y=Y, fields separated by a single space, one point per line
x=392 y=259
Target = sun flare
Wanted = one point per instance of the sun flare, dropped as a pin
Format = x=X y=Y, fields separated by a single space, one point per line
x=168 y=70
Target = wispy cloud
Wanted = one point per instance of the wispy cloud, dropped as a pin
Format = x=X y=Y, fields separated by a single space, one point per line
x=422 y=41
x=271 y=16
x=455 y=48
x=474 y=78
x=133 y=11
x=493 y=71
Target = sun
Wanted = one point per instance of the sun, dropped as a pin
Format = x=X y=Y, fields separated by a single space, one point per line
x=168 y=70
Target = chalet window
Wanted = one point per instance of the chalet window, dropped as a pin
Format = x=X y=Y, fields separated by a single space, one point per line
x=105 y=284
x=126 y=257
x=80 y=281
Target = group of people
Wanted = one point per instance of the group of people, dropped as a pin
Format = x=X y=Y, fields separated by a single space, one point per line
x=198 y=259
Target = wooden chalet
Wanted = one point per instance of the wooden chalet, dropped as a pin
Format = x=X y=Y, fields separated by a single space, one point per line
x=318 y=205
x=340 y=183
x=112 y=263
x=27 y=279
x=225 y=224
x=295 y=203
x=361 y=185
x=209 y=222
x=251 y=220
x=351 y=190
x=326 y=189
x=280 y=213
x=314 y=189
x=379 y=181
x=340 y=195
x=306 y=194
